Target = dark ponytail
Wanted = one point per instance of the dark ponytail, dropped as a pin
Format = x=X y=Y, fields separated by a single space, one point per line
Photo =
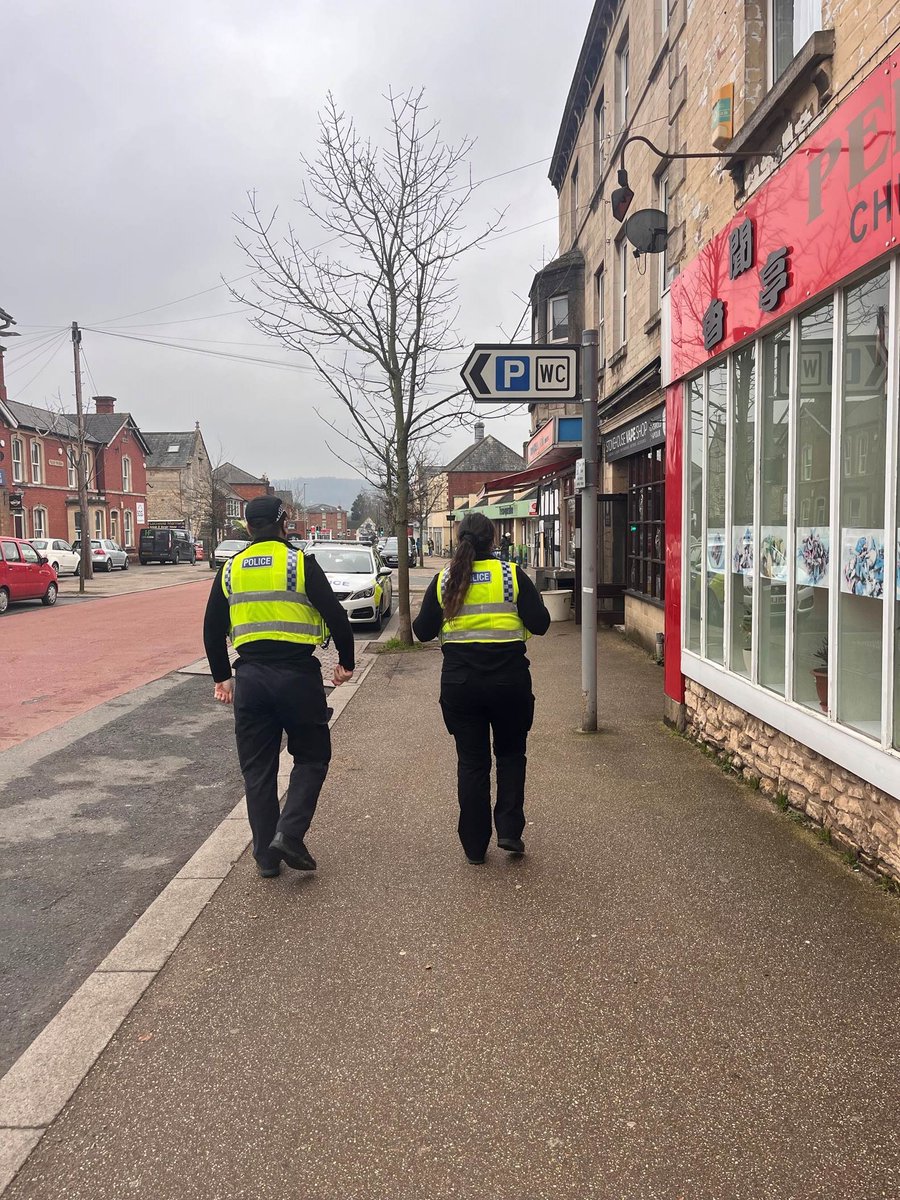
x=476 y=540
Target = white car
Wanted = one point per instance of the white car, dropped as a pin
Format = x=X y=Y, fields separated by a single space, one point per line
x=226 y=550
x=106 y=554
x=358 y=578
x=60 y=555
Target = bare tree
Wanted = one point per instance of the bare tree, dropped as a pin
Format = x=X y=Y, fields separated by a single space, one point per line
x=383 y=295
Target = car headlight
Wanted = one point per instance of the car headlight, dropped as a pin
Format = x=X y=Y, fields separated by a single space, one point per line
x=364 y=594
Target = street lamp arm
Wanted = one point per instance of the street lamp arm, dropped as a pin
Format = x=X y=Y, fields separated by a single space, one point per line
x=668 y=156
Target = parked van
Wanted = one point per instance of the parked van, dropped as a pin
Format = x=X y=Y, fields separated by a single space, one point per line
x=166 y=546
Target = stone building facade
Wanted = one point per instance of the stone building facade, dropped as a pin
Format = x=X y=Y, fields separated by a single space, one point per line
x=179 y=481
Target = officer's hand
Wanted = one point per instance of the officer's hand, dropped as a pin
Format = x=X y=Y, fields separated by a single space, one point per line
x=225 y=692
x=341 y=675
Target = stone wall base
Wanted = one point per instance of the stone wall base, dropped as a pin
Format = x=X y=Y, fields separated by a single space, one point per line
x=861 y=817
x=642 y=623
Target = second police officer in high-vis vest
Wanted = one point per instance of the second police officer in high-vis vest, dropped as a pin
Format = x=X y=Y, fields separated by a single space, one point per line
x=276 y=606
x=483 y=611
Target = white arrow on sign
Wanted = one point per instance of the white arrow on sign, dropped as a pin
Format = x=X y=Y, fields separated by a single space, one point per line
x=523 y=374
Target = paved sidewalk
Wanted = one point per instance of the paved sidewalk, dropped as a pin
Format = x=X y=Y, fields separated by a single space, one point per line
x=677 y=993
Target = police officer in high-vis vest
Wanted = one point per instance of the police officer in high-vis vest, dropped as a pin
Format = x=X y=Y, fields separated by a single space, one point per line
x=484 y=611
x=276 y=606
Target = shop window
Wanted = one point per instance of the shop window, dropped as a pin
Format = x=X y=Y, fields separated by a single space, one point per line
x=18 y=461
x=695 y=520
x=773 y=539
x=37 y=462
x=863 y=416
x=812 y=541
x=558 y=319
x=743 y=441
x=791 y=24
x=716 y=542
x=645 y=564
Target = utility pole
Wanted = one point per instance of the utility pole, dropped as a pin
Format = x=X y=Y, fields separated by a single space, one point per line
x=589 y=533
x=87 y=567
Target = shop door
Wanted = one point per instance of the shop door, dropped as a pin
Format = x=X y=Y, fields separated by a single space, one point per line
x=612 y=529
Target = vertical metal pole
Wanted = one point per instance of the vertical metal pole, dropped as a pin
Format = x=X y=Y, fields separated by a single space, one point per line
x=589 y=532
x=86 y=570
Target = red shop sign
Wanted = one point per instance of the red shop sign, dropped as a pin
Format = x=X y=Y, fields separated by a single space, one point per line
x=830 y=210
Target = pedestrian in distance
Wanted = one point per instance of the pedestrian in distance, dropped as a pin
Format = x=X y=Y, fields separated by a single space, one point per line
x=276 y=606
x=505 y=544
x=483 y=611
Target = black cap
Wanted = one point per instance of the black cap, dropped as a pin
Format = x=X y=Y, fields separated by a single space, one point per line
x=264 y=510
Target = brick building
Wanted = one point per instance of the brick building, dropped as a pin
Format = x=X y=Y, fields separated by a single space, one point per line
x=748 y=397
x=40 y=480
x=327 y=520
x=179 y=481
x=462 y=479
x=233 y=488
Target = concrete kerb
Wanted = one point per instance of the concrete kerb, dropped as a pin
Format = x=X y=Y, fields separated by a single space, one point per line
x=46 y=1075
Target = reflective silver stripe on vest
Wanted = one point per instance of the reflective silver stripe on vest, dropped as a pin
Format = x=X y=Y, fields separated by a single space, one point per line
x=264 y=597
x=275 y=627
x=484 y=635
x=474 y=610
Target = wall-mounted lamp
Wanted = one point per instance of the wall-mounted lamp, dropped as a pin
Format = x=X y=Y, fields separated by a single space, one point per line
x=622 y=197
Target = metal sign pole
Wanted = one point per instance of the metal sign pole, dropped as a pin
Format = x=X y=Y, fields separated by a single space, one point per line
x=589 y=533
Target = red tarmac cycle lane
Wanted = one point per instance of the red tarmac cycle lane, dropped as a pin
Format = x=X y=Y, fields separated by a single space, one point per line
x=56 y=663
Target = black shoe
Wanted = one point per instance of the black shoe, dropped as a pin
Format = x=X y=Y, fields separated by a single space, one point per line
x=511 y=845
x=476 y=860
x=294 y=853
x=268 y=870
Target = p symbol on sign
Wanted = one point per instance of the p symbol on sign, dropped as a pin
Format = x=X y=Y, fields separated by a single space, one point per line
x=512 y=374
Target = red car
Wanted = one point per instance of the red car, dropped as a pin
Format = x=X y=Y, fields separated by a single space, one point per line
x=24 y=574
x=198 y=552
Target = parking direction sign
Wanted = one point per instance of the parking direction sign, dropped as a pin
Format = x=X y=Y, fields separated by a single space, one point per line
x=523 y=374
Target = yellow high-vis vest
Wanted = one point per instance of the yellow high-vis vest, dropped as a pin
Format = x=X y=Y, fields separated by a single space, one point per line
x=489 y=612
x=265 y=585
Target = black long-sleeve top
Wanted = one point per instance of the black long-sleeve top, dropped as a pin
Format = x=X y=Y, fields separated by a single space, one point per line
x=217 y=623
x=501 y=661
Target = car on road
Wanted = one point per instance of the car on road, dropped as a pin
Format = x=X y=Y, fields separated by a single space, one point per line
x=228 y=549
x=358 y=578
x=390 y=553
x=199 y=552
x=166 y=545
x=25 y=574
x=105 y=554
x=59 y=554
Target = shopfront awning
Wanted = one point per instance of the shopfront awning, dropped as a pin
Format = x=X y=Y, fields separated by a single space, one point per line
x=531 y=475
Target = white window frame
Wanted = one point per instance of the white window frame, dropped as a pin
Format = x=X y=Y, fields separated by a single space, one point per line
x=126 y=473
x=37 y=461
x=662 y=203
x=39 y=521
x=622 y=293
x=71 y=468
x=18 y=461
x=128 y=528
x=600 y=309
x=622 y=84
x=663 y=18
x=599 y=139
x=807 y=28
x=99 y=524
x=233 y=509
x=114 y=524
x=551 y=322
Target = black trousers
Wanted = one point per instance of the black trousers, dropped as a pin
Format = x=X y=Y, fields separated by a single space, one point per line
x=472 y=711
x=270 y=700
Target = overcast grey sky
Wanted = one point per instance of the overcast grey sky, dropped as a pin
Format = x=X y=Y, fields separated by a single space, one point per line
x=133 y=130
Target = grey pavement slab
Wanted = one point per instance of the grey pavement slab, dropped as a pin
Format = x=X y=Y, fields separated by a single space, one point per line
x=676 y=993
x=155 y=934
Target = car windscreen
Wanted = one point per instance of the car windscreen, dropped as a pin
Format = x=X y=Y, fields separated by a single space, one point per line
x=232 y=545
x=343 y=562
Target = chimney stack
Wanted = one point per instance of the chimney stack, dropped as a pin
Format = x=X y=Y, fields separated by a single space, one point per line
x=104 y=404
x=479 y=431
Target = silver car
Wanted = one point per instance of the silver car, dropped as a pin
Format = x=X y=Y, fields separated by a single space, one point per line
x=226 y=550
x=105 y=554
x=358 y=578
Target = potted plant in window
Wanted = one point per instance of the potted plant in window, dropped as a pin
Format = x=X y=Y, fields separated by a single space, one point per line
x=820 y=674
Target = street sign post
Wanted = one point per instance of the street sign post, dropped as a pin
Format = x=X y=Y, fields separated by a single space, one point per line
x=523 y=374
x=552 y=374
